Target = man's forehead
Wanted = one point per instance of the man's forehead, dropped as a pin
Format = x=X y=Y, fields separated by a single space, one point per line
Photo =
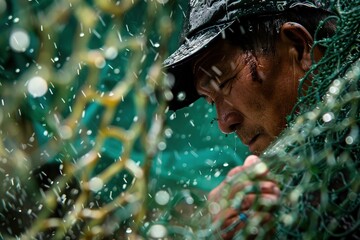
x=213 y=68
x=221 y=55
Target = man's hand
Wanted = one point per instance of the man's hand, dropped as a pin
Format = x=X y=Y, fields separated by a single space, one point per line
x=251 y=199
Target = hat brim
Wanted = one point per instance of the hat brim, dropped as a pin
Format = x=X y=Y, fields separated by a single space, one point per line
x=178 y=64
x=195 y=43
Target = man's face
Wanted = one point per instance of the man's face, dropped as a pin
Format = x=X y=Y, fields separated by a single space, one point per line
x=252 y=93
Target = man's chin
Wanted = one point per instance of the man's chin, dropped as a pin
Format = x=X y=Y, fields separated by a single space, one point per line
x=259 y=145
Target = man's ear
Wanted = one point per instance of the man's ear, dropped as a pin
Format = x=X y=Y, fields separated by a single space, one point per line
x=299 y=41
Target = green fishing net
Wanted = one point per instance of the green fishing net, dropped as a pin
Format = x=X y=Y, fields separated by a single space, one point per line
x=316 y=159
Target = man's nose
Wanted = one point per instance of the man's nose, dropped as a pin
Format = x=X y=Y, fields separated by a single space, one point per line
x=228 y=117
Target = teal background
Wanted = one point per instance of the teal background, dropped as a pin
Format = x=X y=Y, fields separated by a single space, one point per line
x=197 y=155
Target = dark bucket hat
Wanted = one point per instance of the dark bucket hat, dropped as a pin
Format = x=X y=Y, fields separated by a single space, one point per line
x=207 y=20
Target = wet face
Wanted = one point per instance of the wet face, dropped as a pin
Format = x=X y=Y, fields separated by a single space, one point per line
x=252 y=93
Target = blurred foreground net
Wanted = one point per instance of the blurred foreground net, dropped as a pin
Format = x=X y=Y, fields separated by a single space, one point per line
x=56 y=115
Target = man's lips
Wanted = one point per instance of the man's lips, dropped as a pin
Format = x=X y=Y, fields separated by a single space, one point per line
x=250 y=141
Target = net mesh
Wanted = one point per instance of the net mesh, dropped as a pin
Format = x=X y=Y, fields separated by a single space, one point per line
x=57 y=117
x=321 y=148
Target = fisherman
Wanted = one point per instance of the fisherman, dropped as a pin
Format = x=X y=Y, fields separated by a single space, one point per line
x=246 y=58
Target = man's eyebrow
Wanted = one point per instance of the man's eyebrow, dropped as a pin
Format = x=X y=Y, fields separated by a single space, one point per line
x=209 y=77
x=198 y=62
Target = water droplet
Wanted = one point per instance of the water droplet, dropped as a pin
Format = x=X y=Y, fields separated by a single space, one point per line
x=65 y=132
x=192 y=123
x=162 y=197
x=170 y=79
x=37 y=86
x=161 y=146
x=168 y=95
x=327 y=117
x=349 y=140
x=287 y=219
x=214 y=208
x=189 y=200
x=295 y=194
x=336 y=83
x=19 y=40
x=168 y=132
x=334 y=90
x=95 y=184
x=157 y=231
x=260 y=168
x=86 y=212
x=100 y=62
x=216 y=70
x=181 y=96
x=172 y=116
x=352 y=196
x=111 y=53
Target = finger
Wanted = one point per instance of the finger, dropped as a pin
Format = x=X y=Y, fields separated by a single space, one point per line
x=263 y=202
x=251 y=160
x=235 y=171
x=260 y=187
x=217 y=192
x=254 y=168
x=225 y=214
x=269 y=187
x=230 y=226
x=257 y=169
x=250 y=202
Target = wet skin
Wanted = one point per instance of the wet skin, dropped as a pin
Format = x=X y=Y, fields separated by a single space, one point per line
x=252 y=93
